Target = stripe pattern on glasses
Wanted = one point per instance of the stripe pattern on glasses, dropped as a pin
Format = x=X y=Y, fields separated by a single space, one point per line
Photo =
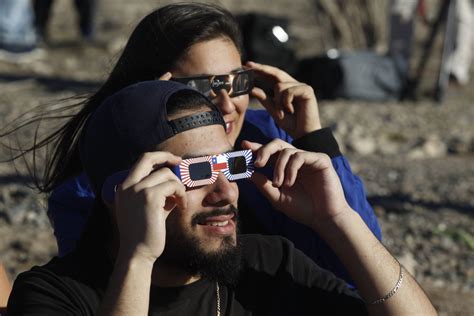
x=186 y=177
x=248 y=161
x=217 y=163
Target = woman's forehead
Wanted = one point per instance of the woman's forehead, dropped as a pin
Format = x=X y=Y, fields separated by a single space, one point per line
x=213 y=57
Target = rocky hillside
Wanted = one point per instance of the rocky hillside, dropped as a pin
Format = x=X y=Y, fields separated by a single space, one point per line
x=416 y=159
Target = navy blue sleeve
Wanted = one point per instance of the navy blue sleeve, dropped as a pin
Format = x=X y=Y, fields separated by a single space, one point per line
x=69 y=207
x=260 y=127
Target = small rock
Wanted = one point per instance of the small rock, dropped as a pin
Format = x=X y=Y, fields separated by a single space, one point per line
x=434 y=147
x=457 y=145
x=362 y=145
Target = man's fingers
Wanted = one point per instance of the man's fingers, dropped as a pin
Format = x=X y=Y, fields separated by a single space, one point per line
x=174 y=194
x=266 y=187
x=268 y=150
x=246 y=144
x=155 y=178
x=146 y=164
x=279 y=172
x=287 y=98
x=294 y=164
x=176 y=197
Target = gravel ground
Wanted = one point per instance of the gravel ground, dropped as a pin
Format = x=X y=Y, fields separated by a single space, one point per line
x=416 y=159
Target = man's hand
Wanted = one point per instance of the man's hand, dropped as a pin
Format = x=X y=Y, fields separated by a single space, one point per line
x=143 y=202
x=293 y=106
x=305 y=185
x=307 y=189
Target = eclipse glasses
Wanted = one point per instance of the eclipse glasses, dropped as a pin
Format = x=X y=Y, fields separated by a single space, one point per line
x=204 y=170
x=235 y=83
x=194 y=172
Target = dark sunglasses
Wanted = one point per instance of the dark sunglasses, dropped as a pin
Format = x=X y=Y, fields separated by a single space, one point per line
x=235 y=83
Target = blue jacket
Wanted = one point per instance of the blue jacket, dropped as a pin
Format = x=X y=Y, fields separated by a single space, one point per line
x=71 y=203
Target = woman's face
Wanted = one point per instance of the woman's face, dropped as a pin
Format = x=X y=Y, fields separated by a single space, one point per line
x=217 y=57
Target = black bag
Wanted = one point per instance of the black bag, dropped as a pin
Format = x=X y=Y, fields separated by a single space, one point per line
x=360 y=75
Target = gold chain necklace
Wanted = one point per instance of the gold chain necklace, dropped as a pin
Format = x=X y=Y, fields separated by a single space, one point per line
x=218 y=299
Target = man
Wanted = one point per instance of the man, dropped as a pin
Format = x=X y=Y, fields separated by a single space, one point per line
x=163 y=236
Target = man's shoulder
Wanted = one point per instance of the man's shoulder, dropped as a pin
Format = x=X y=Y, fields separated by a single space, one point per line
x=263 y=241
x=265 y=252
x=55 y=276
x=59 y=284
x=287 y=282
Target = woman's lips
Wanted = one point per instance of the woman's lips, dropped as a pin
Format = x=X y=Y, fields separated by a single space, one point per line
x=229 y=126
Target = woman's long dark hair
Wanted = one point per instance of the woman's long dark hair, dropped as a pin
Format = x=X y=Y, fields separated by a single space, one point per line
x=156 y=44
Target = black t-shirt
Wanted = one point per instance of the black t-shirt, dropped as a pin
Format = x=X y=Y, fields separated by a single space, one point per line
x=276 y=279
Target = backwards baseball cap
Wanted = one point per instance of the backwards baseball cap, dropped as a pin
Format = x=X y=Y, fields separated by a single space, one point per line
x=133 y=121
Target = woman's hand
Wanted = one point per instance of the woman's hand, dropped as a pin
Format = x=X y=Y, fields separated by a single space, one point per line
x=293 y=107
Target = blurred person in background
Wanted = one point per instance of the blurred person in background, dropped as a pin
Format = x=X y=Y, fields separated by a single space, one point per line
x=459 y=62
x=86 y=10
x=18 y=39
x=200 y=46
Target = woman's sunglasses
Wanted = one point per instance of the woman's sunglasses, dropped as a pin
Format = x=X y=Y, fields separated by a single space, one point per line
x=235 y=83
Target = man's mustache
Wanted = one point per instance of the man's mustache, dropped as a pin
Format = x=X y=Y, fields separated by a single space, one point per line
x=201 y=217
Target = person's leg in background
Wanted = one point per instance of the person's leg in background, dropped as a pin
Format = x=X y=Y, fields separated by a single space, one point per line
x=401 y=27
x=42 y=9
x=460 y=61
x=17 y=32
x=87 y=17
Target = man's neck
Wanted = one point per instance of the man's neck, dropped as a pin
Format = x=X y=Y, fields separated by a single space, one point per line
x=167 y=276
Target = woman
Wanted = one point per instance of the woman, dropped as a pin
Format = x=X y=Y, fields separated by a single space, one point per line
x=195 y=44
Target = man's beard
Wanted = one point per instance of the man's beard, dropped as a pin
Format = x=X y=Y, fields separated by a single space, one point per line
x=186 y=252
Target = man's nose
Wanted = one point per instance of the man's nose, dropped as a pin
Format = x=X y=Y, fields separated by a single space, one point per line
x=224 y=102
x=222 y=192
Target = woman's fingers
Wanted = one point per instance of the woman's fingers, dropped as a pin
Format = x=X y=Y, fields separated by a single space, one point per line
x=166 y=76
x=266 y=101
x=289 y=93
x=268 y=71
